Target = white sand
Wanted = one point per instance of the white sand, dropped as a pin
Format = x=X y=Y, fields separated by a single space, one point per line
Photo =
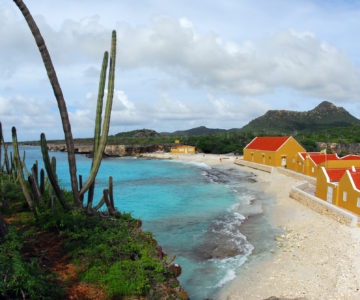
x=316 y=258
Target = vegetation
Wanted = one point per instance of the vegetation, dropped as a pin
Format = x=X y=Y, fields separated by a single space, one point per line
x=110 y=256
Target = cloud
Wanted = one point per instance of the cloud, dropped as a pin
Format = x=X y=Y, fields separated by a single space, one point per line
x=296 y=60
x=28 y=115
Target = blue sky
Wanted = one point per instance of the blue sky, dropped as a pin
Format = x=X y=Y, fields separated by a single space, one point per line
x=180 y=64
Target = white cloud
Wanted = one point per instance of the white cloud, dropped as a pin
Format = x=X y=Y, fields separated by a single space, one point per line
x=297 y=60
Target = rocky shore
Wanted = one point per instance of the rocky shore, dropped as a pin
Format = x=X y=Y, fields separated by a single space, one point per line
x=112 y=150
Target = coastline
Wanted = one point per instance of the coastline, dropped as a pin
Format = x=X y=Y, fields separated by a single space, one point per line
x=315 y=258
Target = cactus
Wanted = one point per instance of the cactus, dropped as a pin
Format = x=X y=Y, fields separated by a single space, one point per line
x=35 y=188
x=21 y=174
x=6 y=158
x=50 y=172
x=35 y=169
x=53 y=165
x=106 y=124
x=111 y=193
x=80 y=186
x=42 y=181
x=58 y=95
x=107 y=202
x=24 y=165
x=97 y=132
x=1 y=138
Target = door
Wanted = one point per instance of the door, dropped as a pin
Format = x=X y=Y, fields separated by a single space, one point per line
x=283 y=160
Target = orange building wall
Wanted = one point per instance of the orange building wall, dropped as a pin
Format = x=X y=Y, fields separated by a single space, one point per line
x=352 y=195
x=322 y=187
x=183 y=150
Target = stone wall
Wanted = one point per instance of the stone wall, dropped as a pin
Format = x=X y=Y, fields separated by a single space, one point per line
x=323 y=207
x=254 y=165
x=297 y=175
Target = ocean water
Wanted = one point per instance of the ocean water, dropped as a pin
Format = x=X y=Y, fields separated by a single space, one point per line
x=213 y=219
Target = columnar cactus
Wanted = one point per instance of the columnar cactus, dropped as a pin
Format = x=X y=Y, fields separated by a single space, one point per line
x=97 y=132
x=106 y=124
x=42 y=181
x=58 y=95
x=20 y=172
x=50 y=172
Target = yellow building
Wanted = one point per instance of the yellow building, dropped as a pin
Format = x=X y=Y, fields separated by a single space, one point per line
x=349 y=191
x=272 y=151
x=182 y=149
x=309 y=163
x=327 y=184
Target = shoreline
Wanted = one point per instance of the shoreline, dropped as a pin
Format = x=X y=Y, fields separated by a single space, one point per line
x=315 y=258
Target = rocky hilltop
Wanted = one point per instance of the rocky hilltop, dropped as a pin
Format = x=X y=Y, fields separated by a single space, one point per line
x=324 y=116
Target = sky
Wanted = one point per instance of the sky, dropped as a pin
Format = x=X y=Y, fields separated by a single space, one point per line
x=180 y=64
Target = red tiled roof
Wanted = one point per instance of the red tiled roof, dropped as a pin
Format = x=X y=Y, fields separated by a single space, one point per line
x=336 y=174
x=351 y=157
x=320 y=158
x=356 y=179
x=267 y=143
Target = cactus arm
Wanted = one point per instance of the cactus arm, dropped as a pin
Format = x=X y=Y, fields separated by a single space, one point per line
x=1 y=138
x=35 y=187
x=42 y=181
x=24 y=166
x=21 y=174
x=58 y=95
x=111 y=192
x=97 y=123
x=6 y=158
x=49 y=170
x=106 y=124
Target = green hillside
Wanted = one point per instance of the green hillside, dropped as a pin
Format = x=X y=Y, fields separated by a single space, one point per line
x=325 y=116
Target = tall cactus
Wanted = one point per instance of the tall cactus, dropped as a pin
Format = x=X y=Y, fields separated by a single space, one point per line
x=50 y=172
x=6 y=158
x=20 y=172
x=1 y=138
x=106 y=124
x=58 y=95
x=42 y=181
x=97 y=132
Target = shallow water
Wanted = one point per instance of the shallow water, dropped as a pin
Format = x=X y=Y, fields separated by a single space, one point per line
x=211 y=219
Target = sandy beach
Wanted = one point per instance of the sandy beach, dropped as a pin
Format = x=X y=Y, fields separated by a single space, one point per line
x=315 y=258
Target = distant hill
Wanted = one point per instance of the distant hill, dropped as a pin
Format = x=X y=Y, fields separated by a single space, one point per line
x=140 y=133
x=202 y=130
x=324 y=116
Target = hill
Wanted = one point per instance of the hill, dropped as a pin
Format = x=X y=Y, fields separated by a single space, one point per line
x=324 y=116
x=197 y=131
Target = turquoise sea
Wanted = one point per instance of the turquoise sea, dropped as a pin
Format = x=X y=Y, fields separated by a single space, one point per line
x=213 y=219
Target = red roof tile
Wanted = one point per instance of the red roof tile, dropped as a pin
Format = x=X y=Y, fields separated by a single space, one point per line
x=267 y=143
x=351 y=157
x=320 y=158
x=356 y=179
x=336 y=174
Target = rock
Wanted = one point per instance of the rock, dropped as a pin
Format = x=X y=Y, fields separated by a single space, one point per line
x=175 y=269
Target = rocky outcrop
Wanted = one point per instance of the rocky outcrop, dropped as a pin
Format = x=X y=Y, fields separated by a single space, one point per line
x=338 y=148
x=112 y=150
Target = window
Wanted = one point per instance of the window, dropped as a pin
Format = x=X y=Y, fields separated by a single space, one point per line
x=344 y=196
x=293 y=160
x=358 y=202
x=312 y=169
